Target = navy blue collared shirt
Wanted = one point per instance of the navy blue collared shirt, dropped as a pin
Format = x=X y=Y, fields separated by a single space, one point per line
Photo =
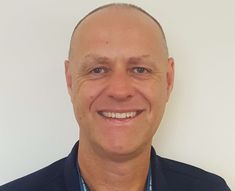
x=84 y=187
x=167 y=175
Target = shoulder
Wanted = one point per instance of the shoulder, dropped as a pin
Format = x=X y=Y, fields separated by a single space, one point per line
x=181 y=175
x=43 y=180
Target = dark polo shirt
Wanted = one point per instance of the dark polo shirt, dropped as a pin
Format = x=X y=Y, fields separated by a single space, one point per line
x=167 y=175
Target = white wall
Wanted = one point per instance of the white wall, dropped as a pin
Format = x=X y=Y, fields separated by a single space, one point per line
x=37 y=125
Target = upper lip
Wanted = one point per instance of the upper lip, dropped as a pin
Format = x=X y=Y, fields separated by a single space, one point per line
x=120 y=110
x=137 y=111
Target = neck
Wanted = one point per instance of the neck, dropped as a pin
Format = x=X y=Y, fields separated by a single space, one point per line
x=114 y=173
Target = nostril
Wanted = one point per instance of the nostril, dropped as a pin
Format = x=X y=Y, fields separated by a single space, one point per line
x=120 y=94
x=120 y=97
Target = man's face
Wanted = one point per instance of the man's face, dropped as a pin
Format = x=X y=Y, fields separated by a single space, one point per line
x=119 y=79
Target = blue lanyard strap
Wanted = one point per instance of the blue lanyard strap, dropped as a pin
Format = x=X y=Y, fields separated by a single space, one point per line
x=149 y=186
x=84 y=187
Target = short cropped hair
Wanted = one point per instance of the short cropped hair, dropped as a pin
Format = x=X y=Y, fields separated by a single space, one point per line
x=122 y=5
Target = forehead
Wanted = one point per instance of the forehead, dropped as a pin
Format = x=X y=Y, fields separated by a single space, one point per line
x=117 y=25
x=118 y=13
x=117 y=18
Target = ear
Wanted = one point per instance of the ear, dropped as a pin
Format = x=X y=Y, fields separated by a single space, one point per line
x=170 y=76
x=68 y=76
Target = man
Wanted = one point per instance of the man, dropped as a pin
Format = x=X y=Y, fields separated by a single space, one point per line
x=119 y=78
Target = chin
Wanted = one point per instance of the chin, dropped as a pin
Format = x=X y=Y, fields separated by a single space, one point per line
x=121 y=150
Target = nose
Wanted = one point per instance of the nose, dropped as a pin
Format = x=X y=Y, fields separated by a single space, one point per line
x=120 y=86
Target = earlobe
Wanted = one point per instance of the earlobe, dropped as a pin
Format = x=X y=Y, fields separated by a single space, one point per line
x=68 y=76
x=170 y=76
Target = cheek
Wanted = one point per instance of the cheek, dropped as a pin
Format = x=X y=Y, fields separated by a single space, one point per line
x=154 y=92
x=156 y=95
x=84 y=95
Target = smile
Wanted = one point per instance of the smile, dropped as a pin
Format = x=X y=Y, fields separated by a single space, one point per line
x=119 y=115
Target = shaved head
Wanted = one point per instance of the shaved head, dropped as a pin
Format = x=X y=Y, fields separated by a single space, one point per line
x=119 y=6
x=118 y=64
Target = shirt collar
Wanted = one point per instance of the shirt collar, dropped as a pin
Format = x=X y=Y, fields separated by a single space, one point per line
x=72 y=177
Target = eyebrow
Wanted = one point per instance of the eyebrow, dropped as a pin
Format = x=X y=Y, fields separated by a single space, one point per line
x=144 y=59
x=97 y=58
x=91 y=59
x=138 y=59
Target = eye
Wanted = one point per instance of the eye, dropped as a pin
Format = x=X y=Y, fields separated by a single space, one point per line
x=140 y=70
x=99 y=70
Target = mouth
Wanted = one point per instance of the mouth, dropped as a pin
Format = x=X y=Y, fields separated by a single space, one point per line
x=119 y=115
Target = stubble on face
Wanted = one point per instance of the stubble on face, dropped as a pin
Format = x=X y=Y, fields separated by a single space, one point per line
x=110 y=50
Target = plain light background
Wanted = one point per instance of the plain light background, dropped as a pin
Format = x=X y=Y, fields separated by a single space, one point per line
x=37 y=125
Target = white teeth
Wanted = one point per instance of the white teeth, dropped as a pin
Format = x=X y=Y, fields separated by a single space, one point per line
x=119 y=115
